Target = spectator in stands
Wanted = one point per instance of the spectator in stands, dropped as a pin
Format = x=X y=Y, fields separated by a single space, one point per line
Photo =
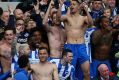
x=96 y=11
x=30 y=24
x=18 y=13
x=22 y=49
x=22 y=34
x=5 y=17
x=107 y=13
x=115 y=21
x=112 y=4
x=104 y=73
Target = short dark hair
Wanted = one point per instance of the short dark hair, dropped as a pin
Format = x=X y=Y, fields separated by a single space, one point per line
x=10 y=28
x=1 y=11
x=65 y=52
x=23 y=61
x=35 y=29
x=99 y=20
x=41 y=48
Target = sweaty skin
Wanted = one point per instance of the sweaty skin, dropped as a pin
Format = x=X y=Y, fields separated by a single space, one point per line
x=102 y=40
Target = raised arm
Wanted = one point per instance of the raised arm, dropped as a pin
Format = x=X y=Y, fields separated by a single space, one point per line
x=88 y=18
x=36 y=16
x=45 y=20
x=11 y=21
x=55 y=72
x=63 y=17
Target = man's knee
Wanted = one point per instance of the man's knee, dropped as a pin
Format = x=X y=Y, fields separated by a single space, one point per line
x=86 y=68
x=86 y=73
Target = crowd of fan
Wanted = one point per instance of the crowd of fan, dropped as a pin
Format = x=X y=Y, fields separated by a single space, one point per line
x=34 y=38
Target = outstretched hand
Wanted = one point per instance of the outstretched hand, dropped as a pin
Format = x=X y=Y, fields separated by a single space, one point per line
x=10 y=8
x=52 y=2
x=36 y=7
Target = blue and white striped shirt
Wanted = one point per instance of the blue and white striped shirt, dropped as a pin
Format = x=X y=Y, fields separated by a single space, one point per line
x=33 y=57
x=64 y=72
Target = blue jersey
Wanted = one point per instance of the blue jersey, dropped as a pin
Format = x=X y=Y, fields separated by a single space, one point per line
x=64 y=72
x=33 y=57
x=87 y=37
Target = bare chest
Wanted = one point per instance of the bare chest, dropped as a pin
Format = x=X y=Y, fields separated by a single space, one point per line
x=75 y=23
x=43 y=71
x=5 y=51
x=56 y=33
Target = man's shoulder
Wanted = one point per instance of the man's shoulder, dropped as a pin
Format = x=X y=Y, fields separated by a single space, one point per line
x=1 y=42
x=52 y=65
x=34 y=65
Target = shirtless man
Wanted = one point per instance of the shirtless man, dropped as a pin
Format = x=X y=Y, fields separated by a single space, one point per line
x=5 y=49
x=56 y=34
x=44 y=70
x=101 y=42
x=75 y=26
